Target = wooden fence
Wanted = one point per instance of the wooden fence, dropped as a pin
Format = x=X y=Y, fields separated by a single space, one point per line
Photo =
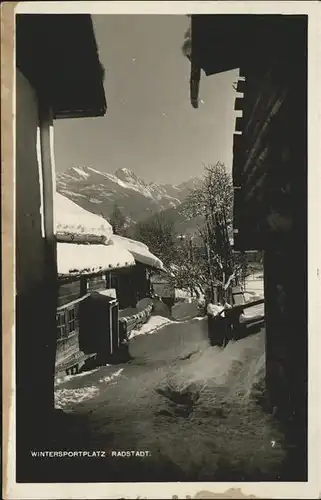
x=222 y=329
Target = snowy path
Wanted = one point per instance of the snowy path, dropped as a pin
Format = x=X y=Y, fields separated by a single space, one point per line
x=185 y=402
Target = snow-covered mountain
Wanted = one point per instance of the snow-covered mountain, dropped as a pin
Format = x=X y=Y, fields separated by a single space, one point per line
x=99 y=192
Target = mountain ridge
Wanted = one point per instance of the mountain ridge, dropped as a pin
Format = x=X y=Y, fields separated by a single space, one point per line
x=99 y=192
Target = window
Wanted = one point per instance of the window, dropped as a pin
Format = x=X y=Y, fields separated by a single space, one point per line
x=97 y=283
x=67 y=321
x=61 y=325
x=71 y=320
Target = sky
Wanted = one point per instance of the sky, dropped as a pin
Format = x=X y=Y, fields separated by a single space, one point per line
x=150 y=126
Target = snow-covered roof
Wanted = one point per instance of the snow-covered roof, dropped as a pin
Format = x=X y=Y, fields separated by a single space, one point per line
x=75 y=224
x=79 y=259
x=140 y=251
x=107 y=251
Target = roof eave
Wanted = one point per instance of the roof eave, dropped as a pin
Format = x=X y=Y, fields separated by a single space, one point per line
x=65 y=70
x=64 y=278
x=81 y=113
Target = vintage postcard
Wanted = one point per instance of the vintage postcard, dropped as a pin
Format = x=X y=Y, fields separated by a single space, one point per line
x=161 y=201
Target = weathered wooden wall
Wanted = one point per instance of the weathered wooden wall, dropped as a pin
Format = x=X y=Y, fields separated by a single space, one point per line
x=73 y=289
x=131 y=286
x=270 y=213
x=270 y=181
x=267 y=176
x=67 y=292
x=70 y=295
x=261 y=166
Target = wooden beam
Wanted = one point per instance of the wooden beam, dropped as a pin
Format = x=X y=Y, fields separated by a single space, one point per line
x=194 y=83
x=241 y=86
x=73 y=303
x=241 y=307
x=83 y=285
x=50 y=284
x=238 y=163
x=239 y=124
x=238 y=105
x=48 y=189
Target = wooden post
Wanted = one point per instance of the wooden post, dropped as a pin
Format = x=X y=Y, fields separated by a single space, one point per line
x=51 y=274
x=209 y=262
x=83 y=285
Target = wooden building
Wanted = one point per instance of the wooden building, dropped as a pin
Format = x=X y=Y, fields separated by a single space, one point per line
x=270 y=180
x=103 y=287
x=58 y=75
x=87 y=314
x=146 y=262
x=134 y=285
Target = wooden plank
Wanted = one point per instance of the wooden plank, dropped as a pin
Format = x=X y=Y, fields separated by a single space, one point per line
x=241 y=307
x=48 y=189
x=73 y=303
x=266 y=91
x=238 y=142
x=263 y=130
x=238 y=154
x=68 y=292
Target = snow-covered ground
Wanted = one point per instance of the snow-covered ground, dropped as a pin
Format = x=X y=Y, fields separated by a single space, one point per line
x=254 y=285
x=185 y=310
x=181 y=294
x=254 y=289
x=152 y=326
x=189 y=404
x=65 y=397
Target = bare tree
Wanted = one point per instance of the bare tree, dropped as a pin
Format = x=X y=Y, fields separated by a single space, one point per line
x=159 y=235
x=189 y=270
x=117 y=220
x=213 y=200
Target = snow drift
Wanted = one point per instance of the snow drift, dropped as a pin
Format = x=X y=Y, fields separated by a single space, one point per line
x=209 y=420
x=152 y=326
x=191 y=405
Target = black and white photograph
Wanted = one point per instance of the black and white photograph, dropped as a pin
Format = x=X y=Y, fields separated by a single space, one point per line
x=161 y=239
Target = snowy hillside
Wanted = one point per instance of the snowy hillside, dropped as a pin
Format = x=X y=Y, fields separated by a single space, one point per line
x=99 y=192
